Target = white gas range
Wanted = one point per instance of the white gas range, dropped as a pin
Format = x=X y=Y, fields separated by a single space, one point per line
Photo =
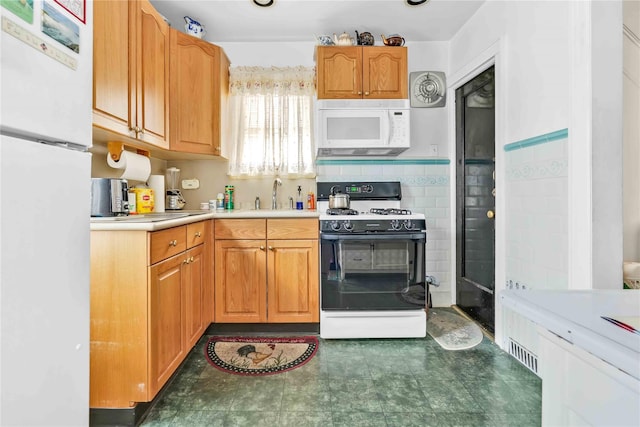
x=372 y=263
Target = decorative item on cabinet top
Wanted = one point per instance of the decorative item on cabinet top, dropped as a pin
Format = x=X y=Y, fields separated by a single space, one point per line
x=392 y=40
x=427 y=89
x=193 y=27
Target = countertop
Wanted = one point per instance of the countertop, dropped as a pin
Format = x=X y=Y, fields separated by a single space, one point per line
x=575 y=317
x=160 y=221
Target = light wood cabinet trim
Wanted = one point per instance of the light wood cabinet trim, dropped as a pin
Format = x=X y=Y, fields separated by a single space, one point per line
x=385 y=72
x=339 y=72
x=195 y=87
x=193 y=288
x=166 y=339
x=195 y=234
x=111 y=57
x=240 y=229
x=167 y=243
x=118 y=326
x=152 y=71
x=208 y=297
x=361 y=72
x=293 y=292
x=292 y=228
x=241 y=282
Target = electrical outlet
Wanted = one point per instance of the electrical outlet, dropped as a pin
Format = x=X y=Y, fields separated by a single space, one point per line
x=190 y=184
x=433 y=150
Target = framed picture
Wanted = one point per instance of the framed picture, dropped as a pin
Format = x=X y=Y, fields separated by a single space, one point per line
x=59 y=27
x=75 y=7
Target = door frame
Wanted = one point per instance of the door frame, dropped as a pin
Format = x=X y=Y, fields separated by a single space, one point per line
x=494 y=55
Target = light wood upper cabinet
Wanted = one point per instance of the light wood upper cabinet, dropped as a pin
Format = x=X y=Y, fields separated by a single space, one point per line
x=198 y=89
x=361 y=72
x=266 y=270
x=131 y=71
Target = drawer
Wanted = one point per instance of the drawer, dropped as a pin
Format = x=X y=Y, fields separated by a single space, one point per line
x=195 y=233
x=240 y=228
x=167 y=243
x=292 y=228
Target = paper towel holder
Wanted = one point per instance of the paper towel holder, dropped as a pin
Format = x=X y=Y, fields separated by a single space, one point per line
x=116 y=148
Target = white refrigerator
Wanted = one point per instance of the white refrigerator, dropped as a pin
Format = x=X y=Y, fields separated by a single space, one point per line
x=45 y=170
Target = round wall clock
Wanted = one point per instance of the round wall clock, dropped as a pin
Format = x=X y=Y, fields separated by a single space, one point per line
x=427 y=89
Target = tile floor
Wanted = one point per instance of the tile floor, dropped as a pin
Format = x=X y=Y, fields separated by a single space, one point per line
x=376 y=382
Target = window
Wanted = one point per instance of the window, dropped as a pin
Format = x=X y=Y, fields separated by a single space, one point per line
x=271 y=113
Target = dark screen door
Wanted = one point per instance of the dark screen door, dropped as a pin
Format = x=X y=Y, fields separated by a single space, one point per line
x=475 y=198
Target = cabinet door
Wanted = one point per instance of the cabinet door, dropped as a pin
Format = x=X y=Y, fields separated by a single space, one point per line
x=166 y=349
x=193 y=288
x=339 y=74
x=240 y=291
x=195 y=97
x=384 y=72
x=113 y=102
x=293 y=281
x=152 y=74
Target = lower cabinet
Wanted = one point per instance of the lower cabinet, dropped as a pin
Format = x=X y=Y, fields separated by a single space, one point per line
x=266 y=270
x=150 y=293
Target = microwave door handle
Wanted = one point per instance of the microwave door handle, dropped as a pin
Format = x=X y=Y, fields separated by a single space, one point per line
x=389 y=128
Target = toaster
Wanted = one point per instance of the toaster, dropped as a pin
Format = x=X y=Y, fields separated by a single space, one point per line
x=109 y=197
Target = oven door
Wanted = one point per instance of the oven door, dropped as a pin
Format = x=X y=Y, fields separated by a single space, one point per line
x=381 y=271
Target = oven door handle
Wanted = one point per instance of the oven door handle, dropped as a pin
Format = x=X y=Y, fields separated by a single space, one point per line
x=375 y=236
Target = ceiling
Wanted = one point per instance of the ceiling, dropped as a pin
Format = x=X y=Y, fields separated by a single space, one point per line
x=299 y=20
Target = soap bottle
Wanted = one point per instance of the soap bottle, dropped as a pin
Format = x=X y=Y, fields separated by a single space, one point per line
x=299 y=205
x=311 y=200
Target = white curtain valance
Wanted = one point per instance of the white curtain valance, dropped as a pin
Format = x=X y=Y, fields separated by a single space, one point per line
x=272 y=80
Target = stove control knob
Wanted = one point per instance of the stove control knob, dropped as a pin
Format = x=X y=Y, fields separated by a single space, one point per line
x=347 y=226
x=335 y=225
x=408 y=224
x=395 y=224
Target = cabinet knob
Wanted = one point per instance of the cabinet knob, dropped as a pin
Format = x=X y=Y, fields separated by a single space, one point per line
x=173 y=243
x=271 y=248
x=359 y=93
x=185 y=261
x=366 y=94
x=490 y=214
x=191 y=259
x=261 y=248
x=198 y=234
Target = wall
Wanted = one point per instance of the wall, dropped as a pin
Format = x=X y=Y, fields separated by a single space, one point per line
x=631 y=167
x=551 y=59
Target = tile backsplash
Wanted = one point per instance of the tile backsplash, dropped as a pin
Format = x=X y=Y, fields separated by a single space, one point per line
x=537 y=212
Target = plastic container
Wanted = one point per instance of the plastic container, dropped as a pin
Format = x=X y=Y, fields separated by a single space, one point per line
x=132 y=203
x=311 y=200
x=220 y=201
x=228 y=196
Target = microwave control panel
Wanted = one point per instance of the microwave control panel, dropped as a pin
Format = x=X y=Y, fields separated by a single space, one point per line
x=399 y=126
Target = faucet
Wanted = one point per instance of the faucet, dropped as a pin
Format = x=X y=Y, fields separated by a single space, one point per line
x=274 y=194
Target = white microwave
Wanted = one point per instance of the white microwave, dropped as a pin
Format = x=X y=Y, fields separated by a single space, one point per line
x=378 y=127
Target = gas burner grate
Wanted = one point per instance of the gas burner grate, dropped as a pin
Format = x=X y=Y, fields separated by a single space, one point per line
x=389 y=211
x=341 y=211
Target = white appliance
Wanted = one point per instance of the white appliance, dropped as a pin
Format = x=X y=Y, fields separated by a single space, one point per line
x=372 y=264
x=45 y=185
x=376 y=127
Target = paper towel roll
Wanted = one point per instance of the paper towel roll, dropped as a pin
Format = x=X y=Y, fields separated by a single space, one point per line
x=131 y=166
x=156 y=182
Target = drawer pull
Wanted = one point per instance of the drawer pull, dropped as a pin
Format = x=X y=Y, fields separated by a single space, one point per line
x=173 y=243
x=198 y=234
x=261 y=248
